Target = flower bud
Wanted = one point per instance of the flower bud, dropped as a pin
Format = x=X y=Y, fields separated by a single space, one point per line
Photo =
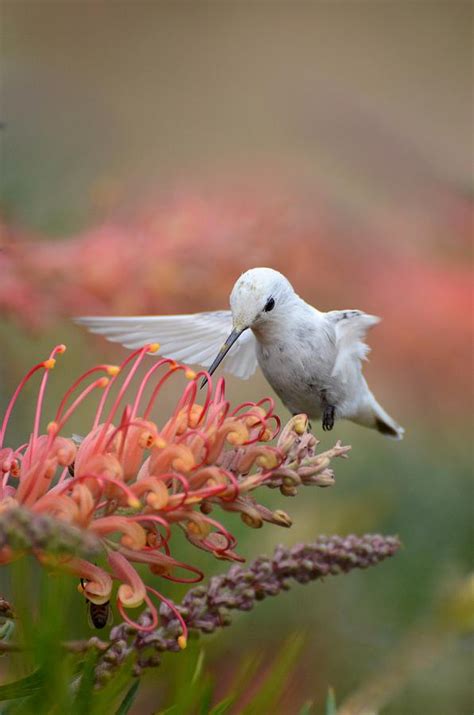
x=281 y=518
x=252 y=518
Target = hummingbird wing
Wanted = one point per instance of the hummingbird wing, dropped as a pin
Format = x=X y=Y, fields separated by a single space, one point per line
x=350 y=328
x=193 y=339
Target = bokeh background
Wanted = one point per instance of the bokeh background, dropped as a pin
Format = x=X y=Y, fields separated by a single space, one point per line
x=151 y=151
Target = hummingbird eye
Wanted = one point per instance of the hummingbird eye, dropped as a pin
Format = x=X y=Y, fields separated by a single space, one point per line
x=269 y=305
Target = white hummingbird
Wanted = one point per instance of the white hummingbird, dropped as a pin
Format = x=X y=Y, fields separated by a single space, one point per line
x=311 y=359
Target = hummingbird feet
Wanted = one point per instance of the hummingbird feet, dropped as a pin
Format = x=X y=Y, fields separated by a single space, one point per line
x=329 y=412
x=328 y=417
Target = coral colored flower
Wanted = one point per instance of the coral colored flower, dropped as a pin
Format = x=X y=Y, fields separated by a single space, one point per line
x=130 y=482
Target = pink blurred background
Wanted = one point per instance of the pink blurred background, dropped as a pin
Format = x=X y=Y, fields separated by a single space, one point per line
x=154 y=150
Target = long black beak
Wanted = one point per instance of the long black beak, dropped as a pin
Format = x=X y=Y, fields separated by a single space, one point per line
x=235 y=334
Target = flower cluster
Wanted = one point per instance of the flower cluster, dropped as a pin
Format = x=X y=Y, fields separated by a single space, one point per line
x=130 y=482
x=207 y=608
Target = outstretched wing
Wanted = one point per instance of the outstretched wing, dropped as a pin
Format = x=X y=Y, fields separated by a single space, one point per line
x=191 y=339
x=350 y=327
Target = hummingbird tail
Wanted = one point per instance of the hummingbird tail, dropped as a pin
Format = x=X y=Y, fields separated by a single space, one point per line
x=385 y=424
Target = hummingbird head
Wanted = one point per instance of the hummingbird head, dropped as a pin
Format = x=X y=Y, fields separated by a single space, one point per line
x=258 y=296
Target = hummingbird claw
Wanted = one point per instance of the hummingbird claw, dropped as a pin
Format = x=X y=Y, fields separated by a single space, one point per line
x=328 y=417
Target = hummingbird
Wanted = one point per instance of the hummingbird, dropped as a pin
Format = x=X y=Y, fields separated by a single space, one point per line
x=312 y=359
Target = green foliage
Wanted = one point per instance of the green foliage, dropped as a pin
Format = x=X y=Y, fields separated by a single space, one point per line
x=331 y=708
x=307 y=709
x=82 y=703
x=253 y=690
x=129 y=699
x=23 y=687
x=45 y=678
x=270 y=691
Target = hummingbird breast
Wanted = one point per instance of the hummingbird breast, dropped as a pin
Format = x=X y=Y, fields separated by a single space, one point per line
x=298 y=365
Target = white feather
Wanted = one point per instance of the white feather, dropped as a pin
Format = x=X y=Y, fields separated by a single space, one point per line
x=351 y=327
x=191 y=339
x=311 y=359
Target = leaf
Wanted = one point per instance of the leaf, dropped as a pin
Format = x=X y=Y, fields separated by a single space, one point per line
x=83 y=699
x=128 y=700
x=269 y=693
x=223 y=707
x=307 y=708
x=24 y=686
x=6 y=630
x=197 y=695
x=17 y=707
x=330 y=703
x=246 y=670
x=106 y=697
x=206 y=697
x=198 y=668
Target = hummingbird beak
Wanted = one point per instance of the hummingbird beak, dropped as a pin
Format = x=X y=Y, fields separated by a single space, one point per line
x=235 y=335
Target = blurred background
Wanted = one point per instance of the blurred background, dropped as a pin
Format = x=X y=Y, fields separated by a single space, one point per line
x=152 y=151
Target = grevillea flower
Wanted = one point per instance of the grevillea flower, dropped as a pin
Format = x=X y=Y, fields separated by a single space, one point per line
x=130 y=482
x=207 y=608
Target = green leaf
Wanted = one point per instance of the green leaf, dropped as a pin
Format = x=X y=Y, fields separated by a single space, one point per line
x=104 y=699
x=206 y=697
x=198 y=668
x=24 y=686
x=246 y=670
x=330 y=703
x=269 y=693
x=128 y=700
x=196 y=697
x=223 y=707
x=82 y=701
x=307 y=708
x=6 y=630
